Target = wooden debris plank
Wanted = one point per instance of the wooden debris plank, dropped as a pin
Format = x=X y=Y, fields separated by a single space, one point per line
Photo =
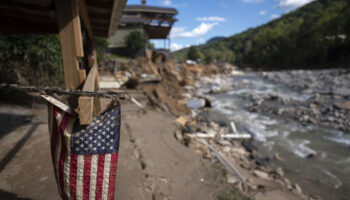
x=66 y=14
x=77 y=29
x=97 y=101
x=82 y=75
x=86 y=104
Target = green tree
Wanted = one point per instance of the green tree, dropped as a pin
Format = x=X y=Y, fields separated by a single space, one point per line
x=135 y=42
x=193 y=54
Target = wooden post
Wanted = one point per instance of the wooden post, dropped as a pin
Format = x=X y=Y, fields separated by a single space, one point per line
x=89 y=107
x=67 y=12
x=86 y=104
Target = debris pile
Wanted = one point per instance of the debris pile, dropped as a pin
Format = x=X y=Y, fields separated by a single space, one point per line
x=166 y=85
x=246 y=170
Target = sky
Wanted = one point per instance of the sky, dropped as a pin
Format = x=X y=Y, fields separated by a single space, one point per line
x=200 y=20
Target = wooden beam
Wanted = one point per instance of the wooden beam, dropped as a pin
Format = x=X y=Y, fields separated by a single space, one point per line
x=82 y=75
x=77 y=29
x=100 y=4
x=117 y=12
x=83 y=12
x=92 y=61
x=69 y=31
x=97 y=101
x=86 y=104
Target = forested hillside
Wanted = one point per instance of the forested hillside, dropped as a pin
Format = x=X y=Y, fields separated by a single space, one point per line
x=316 y=34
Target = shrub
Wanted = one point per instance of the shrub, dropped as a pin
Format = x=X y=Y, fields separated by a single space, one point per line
x=32 y=59
x=135 y=42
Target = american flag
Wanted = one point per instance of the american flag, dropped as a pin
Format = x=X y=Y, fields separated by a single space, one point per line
x=85 y=159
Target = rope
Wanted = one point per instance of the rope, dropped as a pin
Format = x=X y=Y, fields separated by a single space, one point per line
x=60 y=91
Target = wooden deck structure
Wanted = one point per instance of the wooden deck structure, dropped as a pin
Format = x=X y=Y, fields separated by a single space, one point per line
x=71 y=19
x=157 y=21
x=154 y=21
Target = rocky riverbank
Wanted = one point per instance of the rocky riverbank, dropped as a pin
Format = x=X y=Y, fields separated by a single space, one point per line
x=326 y=102
x=177 y=88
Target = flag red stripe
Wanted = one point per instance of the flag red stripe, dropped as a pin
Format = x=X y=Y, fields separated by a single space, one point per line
x=112 y=175
x=63 y=155
x=73 y=175
x=99 y=181
x=54 y=135
x=87 y=169
x=54 y=139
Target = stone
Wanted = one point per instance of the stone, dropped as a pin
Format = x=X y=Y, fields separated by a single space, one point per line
x=343 y=105
x=279 y=171
x=305 y=118
x=231 y=179
x=239 y=151
x=297 y=189
x=331 y=119
x=178 y=135
x=278 y=157
x=187 y=95
x=196 y=103
x=261 y=174
x=182 y=120
x=245 y=166
x=287 y=181
x=224 y=143
x=280 y=111
x=226 y=149
x=307 y=91
x=312 y=105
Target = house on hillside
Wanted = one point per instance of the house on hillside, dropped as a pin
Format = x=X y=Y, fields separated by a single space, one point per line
x=153 y=21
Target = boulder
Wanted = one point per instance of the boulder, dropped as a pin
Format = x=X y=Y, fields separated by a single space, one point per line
x=196 y=103
x=343 y=105
x=261 y=174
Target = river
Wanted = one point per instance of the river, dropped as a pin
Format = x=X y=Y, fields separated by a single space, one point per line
x=314 y=156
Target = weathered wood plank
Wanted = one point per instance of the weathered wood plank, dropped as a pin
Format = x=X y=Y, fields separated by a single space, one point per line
x=77 y=29
x=82 y=75
x=117 y=12
x=86 y=104
x=89 y=84
x=66 y=14
x=86 y=110
x=83 y=12
x=97 y=101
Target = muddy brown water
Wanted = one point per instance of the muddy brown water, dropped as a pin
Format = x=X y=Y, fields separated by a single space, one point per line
x=326 y=174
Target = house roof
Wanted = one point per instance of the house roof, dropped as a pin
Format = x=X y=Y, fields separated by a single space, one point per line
x=153 y=9
x=39 y=17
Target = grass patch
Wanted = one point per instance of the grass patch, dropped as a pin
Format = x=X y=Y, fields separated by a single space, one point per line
x=233 y=194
